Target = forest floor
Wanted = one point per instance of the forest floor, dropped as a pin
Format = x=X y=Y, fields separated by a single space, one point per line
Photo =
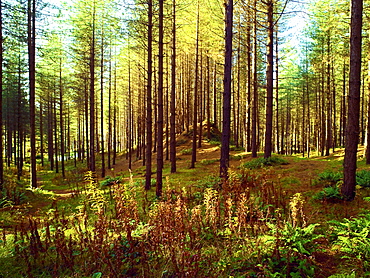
x=298 y=175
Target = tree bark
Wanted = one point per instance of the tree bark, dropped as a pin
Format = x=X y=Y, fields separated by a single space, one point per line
x=255 y=87
x=61 y=122
x=102 y=106
x=225 y=141
x=352 y=130
x=92 y=97
x=270 y=80
x=149 y=139
x=32 y=91
x=160 y=104
x=1 y=100
x=173 y=93
x=195 y=96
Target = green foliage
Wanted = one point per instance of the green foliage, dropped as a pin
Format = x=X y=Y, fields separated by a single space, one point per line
x=330 y=176
x=97 y=275
x=186 y=151
x=262 y=162
x=108 y=181
x=352 y=275
x=352 y=236
x=234 y=148
x=294 y=245
x=12 y=195
x=208 y=182
x=363 y=178
x=215 y=142
x=331 y=193
x=93 y=195
x=236 y=157
x=206 y=162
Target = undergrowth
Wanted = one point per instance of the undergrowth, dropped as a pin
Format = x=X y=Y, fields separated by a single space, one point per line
x=244 y=227
x=352 y=238
x=262 y=162
x=249 y=227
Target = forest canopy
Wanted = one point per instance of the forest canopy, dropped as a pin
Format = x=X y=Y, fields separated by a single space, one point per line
x=121 y=76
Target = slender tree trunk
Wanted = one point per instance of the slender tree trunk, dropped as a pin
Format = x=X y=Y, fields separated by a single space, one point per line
x=102 y=107
x=368 y=125
x=200 y=101
x=173 y=93
x=109 y=112
x=1 y=100
x=129 y=119
x=41 y=134
x=32 y=72
x=352 y=131
x=114 y=139
x=249 y=86
x=195 y=100
x=55 y=134
x=92 y=97
x=344 y=107
x=149 y=134
x=277 y=125
x=270 y=80
x=61 y=122
x=255 y=87
x=329 y=126
x=167 y=104
x=362 y=118
x=86 y=125
x=160 y=104
x=215 y=95
x=208 y=101
x=225 y=143
x=334 y=111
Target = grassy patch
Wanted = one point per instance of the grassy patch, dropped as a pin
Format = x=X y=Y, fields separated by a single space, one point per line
x=215 y=143
x=288 y=181
x=186 y=151
x=262 y=162
x=206 y=162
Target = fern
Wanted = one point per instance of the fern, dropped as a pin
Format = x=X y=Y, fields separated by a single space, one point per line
x=363 y=178
x=331 y=193
x=262 y=162
x=353 y=237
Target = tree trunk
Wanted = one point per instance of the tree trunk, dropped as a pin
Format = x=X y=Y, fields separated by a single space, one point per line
x=61 y=122
x=109 y=112
x=41 y=134
x=1 y=100
x=277 y=125
x=92 y=97
x=368 y=125
x=173 y=93
x=114 y=139
x=102 y=107
x=270 y=80
x=195 y=100
x=225 y=141
x=208 y=101
x=160 y=104
x=249 y=86
x=352 y=131
x=55 y=134
x=32 y=88
x=149 y=139
x=255 y=87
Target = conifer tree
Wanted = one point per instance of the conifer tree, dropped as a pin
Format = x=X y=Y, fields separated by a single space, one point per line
x=352 y=131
